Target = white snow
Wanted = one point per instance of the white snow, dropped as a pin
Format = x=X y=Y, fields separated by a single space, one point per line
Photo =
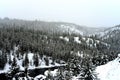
x=30 y=56
x=75 y=78
x=22 y=78
x=76 y=39
x=19 y=62
x=31 y=61
x=78 y=54
x=97 y=41
x=119 y=55
x=16 y=48
x=61 y=37
x=52 y=73
x=83 y=38
x=64 y=38
x=11 y=55
x=88 y=41
x=109 y=71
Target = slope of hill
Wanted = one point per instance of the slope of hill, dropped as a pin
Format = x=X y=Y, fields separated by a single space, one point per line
x=112 y=36
x=109 y=71
x=110 y=32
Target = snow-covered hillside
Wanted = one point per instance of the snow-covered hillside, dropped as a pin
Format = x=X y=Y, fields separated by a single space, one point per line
x=109 y=32
x=109 y=71
x=86 y=40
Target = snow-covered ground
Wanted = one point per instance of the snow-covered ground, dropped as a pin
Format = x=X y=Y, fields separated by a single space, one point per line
x=31 y=65
x=109 y=71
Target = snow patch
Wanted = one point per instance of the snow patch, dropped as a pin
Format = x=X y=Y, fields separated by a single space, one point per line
x=64 y=38
x=76 y=39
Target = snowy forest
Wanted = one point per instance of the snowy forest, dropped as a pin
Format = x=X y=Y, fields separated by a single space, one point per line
x=34 y=50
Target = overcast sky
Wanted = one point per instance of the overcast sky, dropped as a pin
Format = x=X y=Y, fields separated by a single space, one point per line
x=92 y=13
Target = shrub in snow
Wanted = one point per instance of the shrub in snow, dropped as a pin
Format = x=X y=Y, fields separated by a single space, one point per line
x=119 y=55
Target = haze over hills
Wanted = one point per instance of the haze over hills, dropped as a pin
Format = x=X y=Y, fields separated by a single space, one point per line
x=109 y=35
x=59 y=27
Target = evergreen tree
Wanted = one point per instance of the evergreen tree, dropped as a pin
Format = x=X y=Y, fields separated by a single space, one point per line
x=26 y=61
x=14 y=63
x=46 y=61
x=10 y=61
x=36 y=60
x=3 y=59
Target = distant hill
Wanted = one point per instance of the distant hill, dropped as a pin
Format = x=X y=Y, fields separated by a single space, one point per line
x=56 y=27
x=112 y=36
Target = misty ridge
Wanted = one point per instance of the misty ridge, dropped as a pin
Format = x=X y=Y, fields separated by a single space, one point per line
x=41 y=50
x=51 y=27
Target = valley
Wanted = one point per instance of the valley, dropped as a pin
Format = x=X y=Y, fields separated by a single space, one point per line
x=39 y=50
